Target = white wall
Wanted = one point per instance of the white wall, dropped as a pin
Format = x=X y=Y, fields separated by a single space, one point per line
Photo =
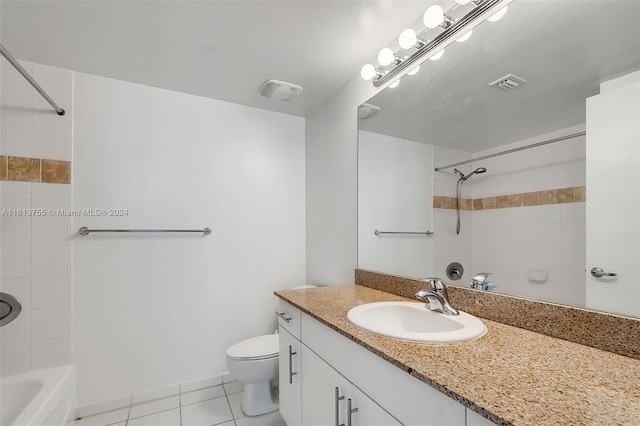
x=395 y=193
x=156 y=310
x=35 y=251
x=331 y=184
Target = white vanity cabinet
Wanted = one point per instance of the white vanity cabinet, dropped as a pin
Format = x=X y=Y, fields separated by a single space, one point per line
x=379 y=392
x=289 y=363
x=289 y=378
x=331 y=399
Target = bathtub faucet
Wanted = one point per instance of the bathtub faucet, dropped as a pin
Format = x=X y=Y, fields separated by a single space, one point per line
x=479 y=282
x=437 y=296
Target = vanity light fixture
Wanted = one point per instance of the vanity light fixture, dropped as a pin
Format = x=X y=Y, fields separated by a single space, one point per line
x=454 y=24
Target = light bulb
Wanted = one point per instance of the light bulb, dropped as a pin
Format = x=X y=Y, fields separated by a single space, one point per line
x=498 y=15
x=437 y=55
x=394 y=84
x=368 y=72
x=433 y=16
x=464 y=37
x=463 y=2
x=386 y=56
x=408 y=38
x=414 y=71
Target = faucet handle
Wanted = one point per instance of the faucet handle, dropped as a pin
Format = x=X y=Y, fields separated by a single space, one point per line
x=436 y=283
x=481 y=277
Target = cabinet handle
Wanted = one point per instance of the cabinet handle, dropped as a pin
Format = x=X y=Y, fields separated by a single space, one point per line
x=350 y=411
x=283 y=316
x=291 y=372
x=338 y=399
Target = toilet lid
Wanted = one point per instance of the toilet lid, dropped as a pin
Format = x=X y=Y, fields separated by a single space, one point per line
x=255 y=348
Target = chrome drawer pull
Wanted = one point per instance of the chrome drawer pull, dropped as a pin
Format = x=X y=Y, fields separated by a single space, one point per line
x=283 y=316
x=350 y=411
x=338 y=399
x=291 y=372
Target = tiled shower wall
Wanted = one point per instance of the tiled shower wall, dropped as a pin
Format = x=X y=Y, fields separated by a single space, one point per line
x=524 y=220
x=35 y=234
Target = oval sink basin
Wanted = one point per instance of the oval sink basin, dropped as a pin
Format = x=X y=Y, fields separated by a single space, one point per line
x=413 y=321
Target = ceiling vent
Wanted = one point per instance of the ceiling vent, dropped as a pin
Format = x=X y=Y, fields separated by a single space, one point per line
x=367 y=110
x=508 y=82
x=280 y=90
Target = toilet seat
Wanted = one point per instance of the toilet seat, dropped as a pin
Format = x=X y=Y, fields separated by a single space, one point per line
x=261 y=347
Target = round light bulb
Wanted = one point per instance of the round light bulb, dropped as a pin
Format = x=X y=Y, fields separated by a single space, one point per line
x=463 y=2
x=414 y=71
x=433 y=16
x=437 y=55
x=368 y=72
x=408 y=38
x=386 y=56
x=464 y=37
x=498 y=15
x=394 y=84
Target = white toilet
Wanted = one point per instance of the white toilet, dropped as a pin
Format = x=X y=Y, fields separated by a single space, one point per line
x=254 y=362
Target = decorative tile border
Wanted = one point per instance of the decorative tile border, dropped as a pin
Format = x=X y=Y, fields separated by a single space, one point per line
x=24 y=169
x=608 y=332
x=539 y=198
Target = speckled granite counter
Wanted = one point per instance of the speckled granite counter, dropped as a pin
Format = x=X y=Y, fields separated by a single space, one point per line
x=510 y=375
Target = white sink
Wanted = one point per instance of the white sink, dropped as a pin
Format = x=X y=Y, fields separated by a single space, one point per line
x=413 y=321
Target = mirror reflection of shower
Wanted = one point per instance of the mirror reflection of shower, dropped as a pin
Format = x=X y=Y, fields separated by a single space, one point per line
x=462 y=179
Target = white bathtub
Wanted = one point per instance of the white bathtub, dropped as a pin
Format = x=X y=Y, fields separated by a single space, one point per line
x=37 y=398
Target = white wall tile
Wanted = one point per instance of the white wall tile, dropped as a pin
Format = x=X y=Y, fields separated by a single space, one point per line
x=12 y=80
x=51 y=230
x=573 y=252
x=574 y=233
x=550 y=252
x=551 y=213
x=57 y=82
x=18 y=330
x=574 y=213
x=15 y=358
x=51 y=352
x=15 y=195
x=51 y=291
x=15 y=230
x=51 y=260
x=48 y=323
x=15 y=262
x=15 y=108
x=15 y=140
x=20 y=288
x=53 y=144
x=51 y=196
x=45 y=116
x=550 y=232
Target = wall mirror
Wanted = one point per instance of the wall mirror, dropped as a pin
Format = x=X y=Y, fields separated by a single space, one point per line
x=539 y=218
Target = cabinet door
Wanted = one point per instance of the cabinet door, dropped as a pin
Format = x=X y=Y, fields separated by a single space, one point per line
x=322 y=404
x=365 y=412
x=289 y=378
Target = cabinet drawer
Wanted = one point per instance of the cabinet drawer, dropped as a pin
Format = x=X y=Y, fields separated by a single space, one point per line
x=405 y=397
x=289 y=318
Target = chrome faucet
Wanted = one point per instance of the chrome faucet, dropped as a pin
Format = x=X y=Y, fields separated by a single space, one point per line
x=479 y=282
x=437 y=296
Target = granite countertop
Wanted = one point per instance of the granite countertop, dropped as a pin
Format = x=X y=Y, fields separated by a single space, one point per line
x=510 y=375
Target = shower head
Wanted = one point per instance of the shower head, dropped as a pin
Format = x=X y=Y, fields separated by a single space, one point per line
x=476 y=171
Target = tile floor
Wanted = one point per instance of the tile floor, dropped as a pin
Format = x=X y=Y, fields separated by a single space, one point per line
x=218 y=405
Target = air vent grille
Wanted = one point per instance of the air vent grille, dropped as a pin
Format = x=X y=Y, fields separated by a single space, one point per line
x=508 y=82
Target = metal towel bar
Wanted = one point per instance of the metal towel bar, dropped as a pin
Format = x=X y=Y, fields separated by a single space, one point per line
x=378 y=233
x=86 y=231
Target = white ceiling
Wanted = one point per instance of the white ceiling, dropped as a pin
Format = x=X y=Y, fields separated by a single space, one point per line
x=565 y=49
x=217 y=49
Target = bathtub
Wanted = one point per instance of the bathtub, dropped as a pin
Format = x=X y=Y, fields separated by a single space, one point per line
x=39 y=397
